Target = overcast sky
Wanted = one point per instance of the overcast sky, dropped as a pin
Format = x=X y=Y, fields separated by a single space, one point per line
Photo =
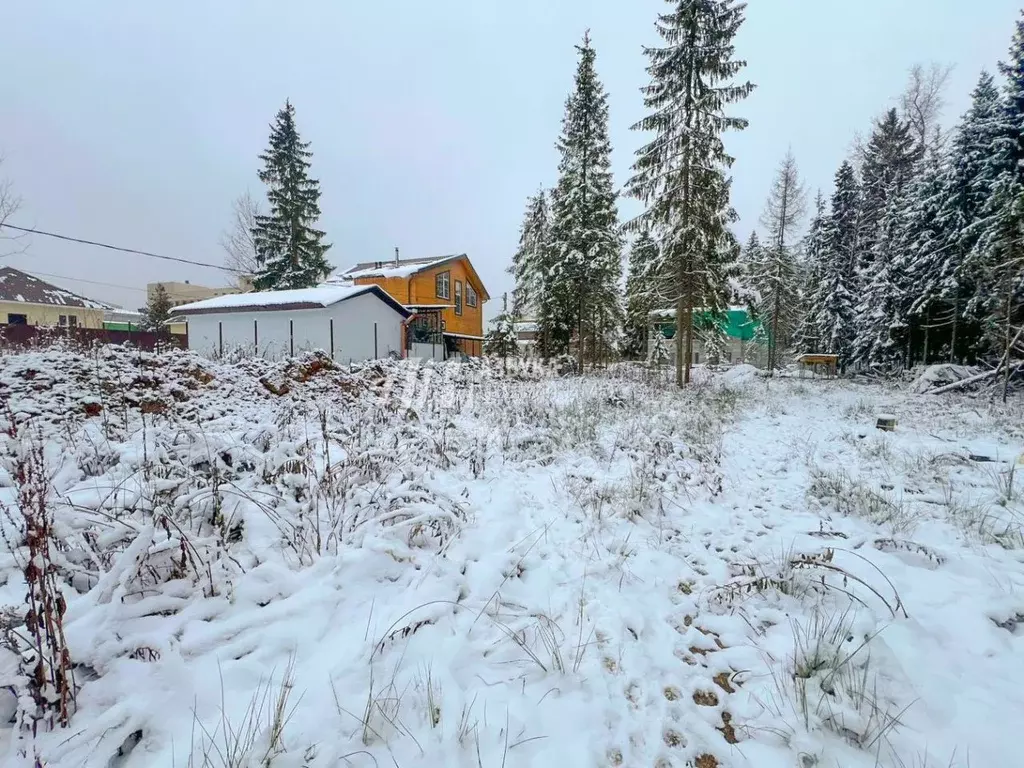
x=430 y=122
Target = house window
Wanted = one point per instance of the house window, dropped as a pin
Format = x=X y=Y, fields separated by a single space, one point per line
x=68 y=321
x=443 y=286
x=471 y=299
x=458 y=297
x=17 y=319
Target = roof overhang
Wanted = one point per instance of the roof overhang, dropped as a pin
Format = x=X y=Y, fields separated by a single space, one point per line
x=376 y=290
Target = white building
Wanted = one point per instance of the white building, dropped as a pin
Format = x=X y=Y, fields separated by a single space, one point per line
x=347 y=322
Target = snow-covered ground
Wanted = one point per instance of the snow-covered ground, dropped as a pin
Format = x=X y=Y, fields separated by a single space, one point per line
x=294 y=565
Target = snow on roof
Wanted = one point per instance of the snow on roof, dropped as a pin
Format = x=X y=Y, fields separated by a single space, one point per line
x=404 y=268
x=300 y=298
x=112 y=312
x=23 y=288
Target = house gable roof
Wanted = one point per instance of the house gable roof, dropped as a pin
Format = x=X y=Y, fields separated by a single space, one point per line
x=22 y=288
x=302 y=298
x=410 y=267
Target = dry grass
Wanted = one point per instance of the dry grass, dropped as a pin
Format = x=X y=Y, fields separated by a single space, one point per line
x=257 y=738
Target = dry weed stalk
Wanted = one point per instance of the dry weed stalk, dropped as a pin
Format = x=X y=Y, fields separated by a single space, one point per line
x=47 y=694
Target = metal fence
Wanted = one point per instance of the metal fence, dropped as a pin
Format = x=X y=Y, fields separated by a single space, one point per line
x=31 y=336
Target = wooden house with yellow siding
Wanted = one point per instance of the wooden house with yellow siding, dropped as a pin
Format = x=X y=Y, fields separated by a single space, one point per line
x=445 y=293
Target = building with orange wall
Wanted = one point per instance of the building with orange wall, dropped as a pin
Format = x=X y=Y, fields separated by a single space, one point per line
x=445 y=292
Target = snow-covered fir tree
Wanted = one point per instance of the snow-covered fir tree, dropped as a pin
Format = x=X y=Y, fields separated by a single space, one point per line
x=807 y=334
x=157 y=311
x=529 y=263
x=643 y=294
x=881 y=323
x=919 y=252
x=753 y=253
x=502 y=340
x=1001 y=267
x=775 y=273
x=681 y=174
x=289 y=249
x=889 y=161
x=998 y=257
x=532 y=268
x=979 y=154
x=586 y=249
x=835 y=312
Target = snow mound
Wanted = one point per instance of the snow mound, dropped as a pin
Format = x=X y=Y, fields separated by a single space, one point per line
x=740 y=374
x=935 y=376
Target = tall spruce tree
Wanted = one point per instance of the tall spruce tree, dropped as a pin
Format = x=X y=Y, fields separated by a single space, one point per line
x=530 y=262
x=643 y=294
x=533 y=267
x=289 y=249
x=584 y=238
x=751 y=256
x=807 y=338
x=681 y=175
x=975 y=163
x=836 y=310
x=919 y=252
x=998 y=257
x=775 y=275
x=889 y=162
x=881 y=315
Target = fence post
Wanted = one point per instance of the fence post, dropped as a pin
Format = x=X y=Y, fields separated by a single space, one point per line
x=331 y=322
x=255 y=337
x=291 y=338
x=375 y=341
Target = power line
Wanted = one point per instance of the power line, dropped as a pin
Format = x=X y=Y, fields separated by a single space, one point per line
x=108 y=246
x=91 y=282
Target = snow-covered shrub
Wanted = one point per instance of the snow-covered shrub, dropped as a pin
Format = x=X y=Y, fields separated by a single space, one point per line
x=830 y=683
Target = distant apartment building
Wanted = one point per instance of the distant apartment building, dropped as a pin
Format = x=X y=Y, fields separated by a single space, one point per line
x=188 y=293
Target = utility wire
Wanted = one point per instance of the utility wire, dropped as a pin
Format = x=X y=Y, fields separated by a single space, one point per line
x=91 y=282
x=70 y=239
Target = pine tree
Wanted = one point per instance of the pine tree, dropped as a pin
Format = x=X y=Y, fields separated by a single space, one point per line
x=643 y=294
x=881 y=325
x=835 y=311
x=289 y=249
x=681 y=174
x=532 y=268
x=502 y=340
x=157 y=311
x=775 y=275
x=1001 y=267
x=584 y=237
x=921 y=250
x=889 y=161
x=998 y=257
x=811 y=299
x=530 y=262
x=978 y=156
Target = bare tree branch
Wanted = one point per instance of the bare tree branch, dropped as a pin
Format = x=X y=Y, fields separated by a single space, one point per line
x=9 y=205
x=238 y=243
x=923 y=98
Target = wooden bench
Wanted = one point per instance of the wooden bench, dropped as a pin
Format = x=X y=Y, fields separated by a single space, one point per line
x=818 y=363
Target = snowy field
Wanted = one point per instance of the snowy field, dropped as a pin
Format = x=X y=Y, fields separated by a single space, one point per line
x=295 y=566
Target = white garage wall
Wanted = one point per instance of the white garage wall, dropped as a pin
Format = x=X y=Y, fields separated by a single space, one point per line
x=354 y=321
